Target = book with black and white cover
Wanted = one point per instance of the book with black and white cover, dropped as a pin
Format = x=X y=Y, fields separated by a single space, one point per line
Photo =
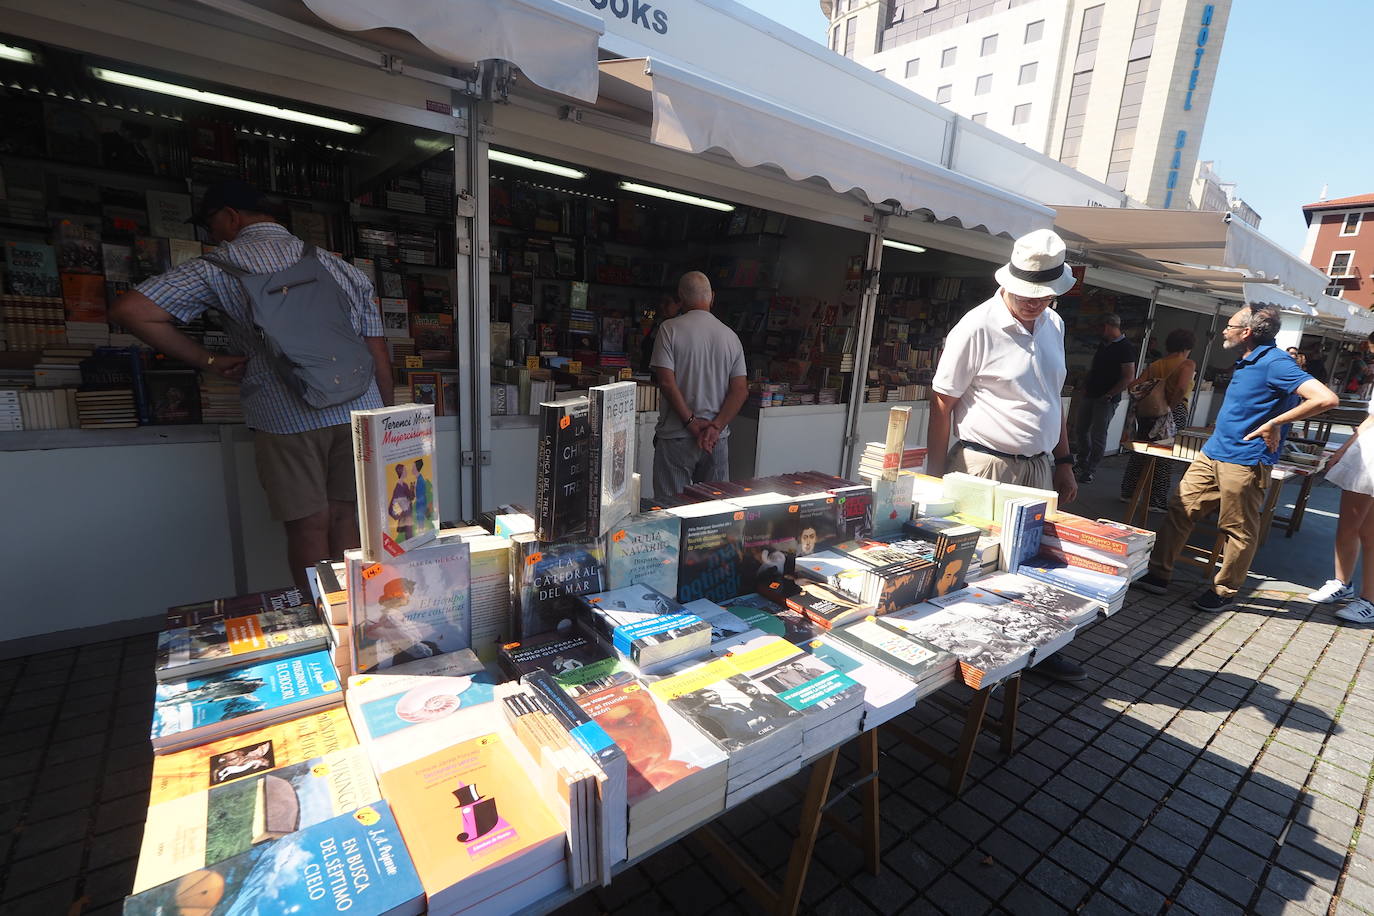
x=1099 y=586
x=986 y=655
x=560 y=493
x=580 y=663
x=1044 y=597
x=770 y=537
x=645 y=626
x=827 y=607
x=393 y=456
x=925 y=663
x=887 y=692
x=954 y=550
x=1046 y=633
x=745 y=721
x=723 y=623
x=611 y=458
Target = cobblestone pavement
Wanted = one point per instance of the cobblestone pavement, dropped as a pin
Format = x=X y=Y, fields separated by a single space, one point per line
x=1211 y=764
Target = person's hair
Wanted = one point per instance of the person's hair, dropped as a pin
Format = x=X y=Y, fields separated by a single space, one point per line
x=1112 y=319
x=1263 y=322
x=694 y=289
x=1179 y=339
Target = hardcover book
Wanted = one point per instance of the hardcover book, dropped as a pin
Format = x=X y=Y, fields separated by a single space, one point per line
x=355 y=862
x=412 y=607
x=712 y=548
x=611 y=456
x=237 y=641
x=549 y=578
x=200 y=829
x=393 y=455
x=196 y=710
x=560 y=492
x=643 y=550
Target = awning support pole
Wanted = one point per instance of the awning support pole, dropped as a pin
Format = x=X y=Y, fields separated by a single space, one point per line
x=1202 y=366
x=1149 y=329
x=868 y=308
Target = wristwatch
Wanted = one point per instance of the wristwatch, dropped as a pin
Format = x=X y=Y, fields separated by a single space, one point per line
x=1066 y=459
x=209 y=360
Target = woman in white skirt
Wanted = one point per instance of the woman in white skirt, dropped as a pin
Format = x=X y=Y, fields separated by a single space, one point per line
x=1352 y=469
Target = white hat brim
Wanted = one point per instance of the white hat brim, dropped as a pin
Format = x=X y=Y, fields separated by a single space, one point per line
x=1034 y=290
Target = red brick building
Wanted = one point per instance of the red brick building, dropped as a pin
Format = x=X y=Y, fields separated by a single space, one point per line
x=1340 y=243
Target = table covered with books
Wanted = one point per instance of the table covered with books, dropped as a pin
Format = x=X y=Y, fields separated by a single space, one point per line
x=495 y=717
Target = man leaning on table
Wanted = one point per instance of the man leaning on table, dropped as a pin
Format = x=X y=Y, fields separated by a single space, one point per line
x=1267 y=392
x=995 y=410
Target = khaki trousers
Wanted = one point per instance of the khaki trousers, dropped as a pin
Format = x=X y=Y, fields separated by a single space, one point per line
x=1236 y=492
x=1037 y=472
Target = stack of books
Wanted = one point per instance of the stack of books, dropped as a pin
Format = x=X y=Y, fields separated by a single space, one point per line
x=11 y=413
x=206 y=646
x=645 y=627
x=1101 y=546
x=219 y=400
x=927 y=666
x=108 y=409
x=986 y=654
x=1106 y=589
x=871 y=463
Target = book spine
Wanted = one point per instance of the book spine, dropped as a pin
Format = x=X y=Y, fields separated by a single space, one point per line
x=1095 y=541
x=364 y=463
x=1082 y=562
x=544 y=484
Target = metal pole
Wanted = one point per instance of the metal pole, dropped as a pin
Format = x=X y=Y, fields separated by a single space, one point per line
x=1149 y=329
x=1202 y=366
x=867 y=310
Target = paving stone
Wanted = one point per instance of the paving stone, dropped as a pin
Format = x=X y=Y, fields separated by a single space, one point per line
x=1225 y=881
x=37 y=837
x=53 y=899
x=1057 y=883
x=1291 y=887
x=1007 y=851
x=51 y=866
x=1078 y=860
x=955 y=896
x=1150 y=869
x=1136 y=895
x=1202 y=900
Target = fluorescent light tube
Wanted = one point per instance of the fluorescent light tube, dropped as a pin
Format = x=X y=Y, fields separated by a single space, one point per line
x=223 y=101
x=675 y=195
x=18 y=55
x=538 y=165
x=903 y=246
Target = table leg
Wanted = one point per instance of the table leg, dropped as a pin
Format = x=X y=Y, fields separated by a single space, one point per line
x=1011 y=701
x=868 y=757
x=1300 y=505
x=1138 y=508
x=822 y=771
x=973 y=724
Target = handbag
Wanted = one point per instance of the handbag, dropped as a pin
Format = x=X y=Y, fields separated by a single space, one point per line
x=1148 y=397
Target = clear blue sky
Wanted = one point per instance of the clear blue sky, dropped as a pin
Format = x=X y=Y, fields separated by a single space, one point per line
x=1288 y=113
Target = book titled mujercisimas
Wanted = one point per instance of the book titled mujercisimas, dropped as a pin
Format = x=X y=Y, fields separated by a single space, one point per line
x=393 y=455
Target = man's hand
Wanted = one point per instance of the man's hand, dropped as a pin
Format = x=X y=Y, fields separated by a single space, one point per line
x=708 y=438
x=229 y=367
x=1065 y=484
x=1268 y=432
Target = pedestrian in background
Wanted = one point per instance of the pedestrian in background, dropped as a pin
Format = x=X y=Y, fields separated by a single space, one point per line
x=1112 y=369
x=1163 y=406
x=1351 y=468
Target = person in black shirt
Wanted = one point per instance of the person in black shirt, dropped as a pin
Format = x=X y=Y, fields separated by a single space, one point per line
x=1112 y=369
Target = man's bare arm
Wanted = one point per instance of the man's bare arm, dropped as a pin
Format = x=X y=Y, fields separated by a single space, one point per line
x=153 y=325
x=937 y=432
x=734 y=400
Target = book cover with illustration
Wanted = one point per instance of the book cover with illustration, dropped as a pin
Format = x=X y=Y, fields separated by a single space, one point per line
x=241 y=756
x=467 y=810
x=414 y=606
x=547 y=580
x=83 y=297
x=954 y=549
x=387 y=704
x=276 y=599
x=611 y=456
x=31 y=270
x=643 y=550
x=1043 y=597
x=194 y=710
x=876 y=638
x=560 y=491
x=660 y=746
x=1084 y=582
x=393 y=456
x=817 y=522
x=645 y=626
x=233 y=642
x=802 y=681
x=770 y=538
x=580 y=664
x=355 y=862
x=203 y=828
x=711 y=550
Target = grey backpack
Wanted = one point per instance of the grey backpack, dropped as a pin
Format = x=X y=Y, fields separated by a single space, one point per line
x=301 y=314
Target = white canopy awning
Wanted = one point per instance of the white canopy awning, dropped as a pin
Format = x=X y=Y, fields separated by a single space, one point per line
x=1359 y=321
x=693 y=113
x=1260 y=294
x=554 y=44
x=1195 y=248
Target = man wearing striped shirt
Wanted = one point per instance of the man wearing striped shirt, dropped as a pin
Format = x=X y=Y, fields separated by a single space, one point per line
x=304 y=454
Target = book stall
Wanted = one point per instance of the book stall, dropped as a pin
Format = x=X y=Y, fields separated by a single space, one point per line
x=498 y=715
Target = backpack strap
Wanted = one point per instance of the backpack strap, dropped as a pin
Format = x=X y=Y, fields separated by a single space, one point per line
x=232 y=270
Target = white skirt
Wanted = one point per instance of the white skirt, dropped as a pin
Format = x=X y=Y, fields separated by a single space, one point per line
x=1355 y=470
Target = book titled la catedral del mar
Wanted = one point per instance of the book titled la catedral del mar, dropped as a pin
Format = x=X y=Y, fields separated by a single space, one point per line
x=393 y=456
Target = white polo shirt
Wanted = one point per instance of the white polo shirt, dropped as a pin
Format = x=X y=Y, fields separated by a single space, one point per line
x=1007 y=379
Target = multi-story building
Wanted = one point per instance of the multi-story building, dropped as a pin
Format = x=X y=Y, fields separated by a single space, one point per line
x=1118 y=89
x=1210 y=192
x=1340 y=243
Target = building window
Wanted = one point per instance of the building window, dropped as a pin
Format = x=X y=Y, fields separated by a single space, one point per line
x=1351 y=226
x=1021 y=114
x=1335 y=292
x=849 y=36
x=947 y=57
x=1088 y=37
x=983 y=85
x=913 y=67
x=1342 y=265
x=944 y=94
x=1027 y=74
x=1074 y=118
x=1035 y=31
x=989 y=46
x=980 y=118
x=1127 y=119
x=1146 y=21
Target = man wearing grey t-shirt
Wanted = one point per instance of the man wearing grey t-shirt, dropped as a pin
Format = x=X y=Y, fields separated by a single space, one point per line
x=699 y=365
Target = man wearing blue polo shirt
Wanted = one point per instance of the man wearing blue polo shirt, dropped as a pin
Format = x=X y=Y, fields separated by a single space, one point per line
x=1267 y=392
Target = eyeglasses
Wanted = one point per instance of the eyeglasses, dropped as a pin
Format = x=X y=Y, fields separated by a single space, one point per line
x=1237 y=327
x=1026 y=302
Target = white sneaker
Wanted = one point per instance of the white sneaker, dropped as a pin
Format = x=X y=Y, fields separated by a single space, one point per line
x=1358 y=611
x=1334 y=590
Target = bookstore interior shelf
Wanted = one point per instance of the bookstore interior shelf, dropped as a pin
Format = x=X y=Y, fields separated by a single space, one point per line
x=29 y=440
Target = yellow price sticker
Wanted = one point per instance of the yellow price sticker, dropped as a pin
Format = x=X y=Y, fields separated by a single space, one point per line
x=415 y=362
x=372 y=571
x=626 y=375
x=531 y=362
x=574 y=366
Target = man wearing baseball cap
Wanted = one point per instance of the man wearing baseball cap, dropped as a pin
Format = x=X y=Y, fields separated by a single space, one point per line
x=995 y=410
x=304 y=454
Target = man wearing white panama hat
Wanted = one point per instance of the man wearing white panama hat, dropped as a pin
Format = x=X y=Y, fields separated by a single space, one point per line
x=996 y=410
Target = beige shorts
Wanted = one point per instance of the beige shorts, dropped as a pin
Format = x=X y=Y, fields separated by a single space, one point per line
x=304 y=472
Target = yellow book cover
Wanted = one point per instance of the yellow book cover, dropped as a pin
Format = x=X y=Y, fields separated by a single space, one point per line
x=468 y=809
x=199 y=768
x=196 y=831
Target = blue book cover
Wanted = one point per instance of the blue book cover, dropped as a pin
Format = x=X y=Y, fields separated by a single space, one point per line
x=549 y=579
x=627 y=637
x=643 y=550
x=355 y=862
x=432 y=698
x=1085 y=582
x=1030 y=527
x=266 y=690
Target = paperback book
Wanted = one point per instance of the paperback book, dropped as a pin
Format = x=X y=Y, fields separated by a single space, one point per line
x=643 y=550
x=393 y=456
x=770 y=538
x=548 y=580
x=954 y=549
x=646 y=627
x=712 y=548
x=580 y=664
x=278 y=599
x=611 y=456
x=561 y=484
x=916 y=658
x=1043 y=597
x=233 y=642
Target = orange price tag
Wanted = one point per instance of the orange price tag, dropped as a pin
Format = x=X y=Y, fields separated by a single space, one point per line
x=574 y=366
x=533 y=559
x=564 y=421
x=531 y=362
x=739 y=516
x=415 y=362
x=618 y=536
x=372 y=571
x=626 y=374
x=792 y=508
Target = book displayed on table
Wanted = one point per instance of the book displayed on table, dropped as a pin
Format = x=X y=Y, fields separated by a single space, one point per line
x=561 y=481
x=203 y=828
x=986 y=654
x=769 y=537
x=279 y=599
x=1108 y=537
x=580 y=664
x=886 y=691
x=290 y=875
x=1096 y=585
x=1023 y=526
x=547 y=580
x=1043 y=597
x=1045 y=633
x=646 y=627
x=393 y=455
x=193 y=711
x=712 y=547
x=975 y=496
x=611 y=456
x=232 y=642
x=924 y=663
x=411 y=607
x=643 y=550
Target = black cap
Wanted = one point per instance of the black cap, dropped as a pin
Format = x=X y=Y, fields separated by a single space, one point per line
x=232 y=193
